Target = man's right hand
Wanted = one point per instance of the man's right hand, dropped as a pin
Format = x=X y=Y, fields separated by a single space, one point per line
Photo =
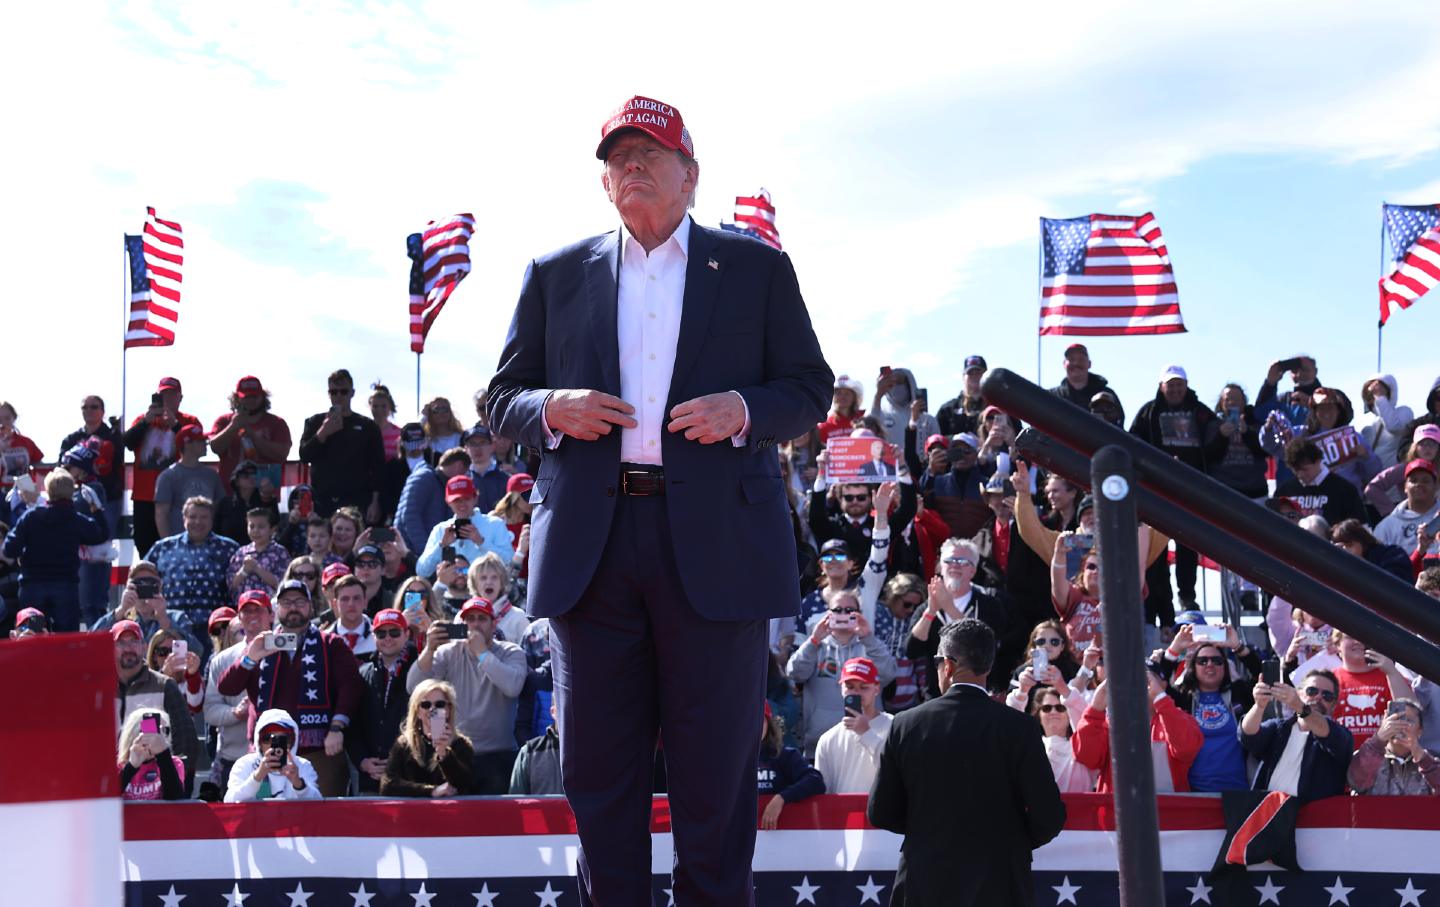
x=436 y=637
x=586 y=414
x=272 y=764
x=259 y=647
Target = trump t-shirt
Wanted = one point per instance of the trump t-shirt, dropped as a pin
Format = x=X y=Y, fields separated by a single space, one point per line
x=1361 y=705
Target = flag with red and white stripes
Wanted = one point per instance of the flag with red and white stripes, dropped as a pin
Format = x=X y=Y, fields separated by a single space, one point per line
x=155 y=262
x=1107 y=274
x=1414 y=232
x=756 y=213
x=439 y=260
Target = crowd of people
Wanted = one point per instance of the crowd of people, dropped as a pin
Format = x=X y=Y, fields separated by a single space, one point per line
x=364 y=632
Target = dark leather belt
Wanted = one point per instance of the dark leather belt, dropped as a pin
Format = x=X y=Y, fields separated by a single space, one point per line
x=641 y=481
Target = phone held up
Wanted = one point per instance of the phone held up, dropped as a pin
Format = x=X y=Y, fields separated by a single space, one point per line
x=1270 y=671
x=146 y=587
x=457 y=631
x=1039 y=661
x=1207 y=633
x=853 y=703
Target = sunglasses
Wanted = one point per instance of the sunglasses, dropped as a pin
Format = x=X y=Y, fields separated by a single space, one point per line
x=1323 y=694
x=389 y=633
x=906 y=603
x=1212 y=660
x=834 y=558
x=844 y=610
x=308 y=575
x=426 y=705
x=855 y=498
x=1052 y=708
x=1091 y=566
x=1047 y=641
x=958 y=560
x=163 y=652
x=342 y=391
x=366 y=562
x=91 y=406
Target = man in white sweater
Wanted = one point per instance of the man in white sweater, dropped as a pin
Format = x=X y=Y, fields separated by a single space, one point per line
x=848 y=754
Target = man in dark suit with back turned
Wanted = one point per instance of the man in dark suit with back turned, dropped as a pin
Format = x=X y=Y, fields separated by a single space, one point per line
x=657 y=367
x=955 y=758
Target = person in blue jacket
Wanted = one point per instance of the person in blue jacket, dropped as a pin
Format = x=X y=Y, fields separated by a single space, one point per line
x=46 y=541
x=782 y=770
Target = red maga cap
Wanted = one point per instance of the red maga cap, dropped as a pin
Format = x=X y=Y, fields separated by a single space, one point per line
x=655 y=118
x=189 y=432
x=861 y=669
x=390 y=618
x=460 y=487
x=333 y=572
x=477 y=605
x=249 y=386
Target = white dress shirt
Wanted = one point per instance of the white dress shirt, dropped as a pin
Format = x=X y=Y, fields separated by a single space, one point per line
x=647 y=326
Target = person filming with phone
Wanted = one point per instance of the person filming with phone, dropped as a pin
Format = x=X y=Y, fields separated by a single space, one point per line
x=430 y=758
x=468 y=534
x=148 y=770
x=274 y=771
x=307 y=673
x=142 y=601
x=487 y=675
x=1305 y=755
x=840 y=634
x=848 y=754
x=1393 y=763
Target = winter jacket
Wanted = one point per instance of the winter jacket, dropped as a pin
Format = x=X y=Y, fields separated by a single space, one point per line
x=1239 y=461
x=1082 y=397
x=893 y=410
x=46 y=541
x=1178 y=430
x=1168 y=725
x=409 y=775
x=1384 y=421
x=537 y=767
x=422 y=505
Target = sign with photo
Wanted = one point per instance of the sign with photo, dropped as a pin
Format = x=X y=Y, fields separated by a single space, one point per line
x=854 y=461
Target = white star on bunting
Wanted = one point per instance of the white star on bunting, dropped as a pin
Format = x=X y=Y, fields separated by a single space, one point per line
x=1065 y=891
x=805 y=891
x=549 y=897
x=1269 y=892
x=361 y=896
x=1339 y=893
x=423 y=897
x=311 y=694
x=485 y=897
x=235 y=898
x=1410 y=894
x=1199 y=891
x=310 y=676
x=299 y=897
x=172 y=899
x=870 y=891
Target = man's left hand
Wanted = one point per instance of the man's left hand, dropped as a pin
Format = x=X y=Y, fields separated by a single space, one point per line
x=859 y=724
x=334 y=743
x=709 y=419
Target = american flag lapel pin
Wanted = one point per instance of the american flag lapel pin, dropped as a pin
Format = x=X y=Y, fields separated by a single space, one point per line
x=713 y=265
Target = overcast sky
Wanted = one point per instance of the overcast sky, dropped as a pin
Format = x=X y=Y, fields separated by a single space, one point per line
x=909 y=150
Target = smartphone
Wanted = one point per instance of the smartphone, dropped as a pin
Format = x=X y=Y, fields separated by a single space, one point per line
x=382 y=534
x=438 y=719
x=157 y=400
x=884 y=370
x=1396 y=708
x=1290 y=365
x=280 y=742
x=1207 y=633
x=1233 y=415
x=447 y=553
x=842 y=621
x=179 y=648
x=457 y=631
x=151 y=725
x=1432 y=527
x=1076 y=548
x=1039 y=661
x=460 y=522
x=1270 y=671
x=146 y=587
x=923 y=395
x=413 y=599
x=285 y=642
x=304 y=504
x=853 y=704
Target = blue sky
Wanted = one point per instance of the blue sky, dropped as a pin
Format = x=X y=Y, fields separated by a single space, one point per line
x=909 y=156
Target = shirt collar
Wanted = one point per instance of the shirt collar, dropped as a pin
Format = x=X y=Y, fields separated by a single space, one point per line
x=680 y=238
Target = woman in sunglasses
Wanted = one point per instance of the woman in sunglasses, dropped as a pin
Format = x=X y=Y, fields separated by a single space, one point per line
x=1217 y=698
x=1054 y=718
x=148 y=769
x=183 y=668
x=1060 y=666
x=431 y=758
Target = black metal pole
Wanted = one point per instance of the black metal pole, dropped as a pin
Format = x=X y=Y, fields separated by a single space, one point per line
x=1204 y=497
x=1266 y=572
x=1137 y=820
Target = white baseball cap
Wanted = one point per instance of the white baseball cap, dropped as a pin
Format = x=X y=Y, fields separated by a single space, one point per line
x=1173 y=371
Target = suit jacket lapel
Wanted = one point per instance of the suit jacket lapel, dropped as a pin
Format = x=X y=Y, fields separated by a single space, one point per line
x=702 y=285
x=603 y=292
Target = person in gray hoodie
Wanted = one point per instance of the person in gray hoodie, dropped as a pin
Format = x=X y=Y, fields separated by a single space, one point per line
x=273 y=771
x=895 y=390
x=1385 y=420
x=836 y=636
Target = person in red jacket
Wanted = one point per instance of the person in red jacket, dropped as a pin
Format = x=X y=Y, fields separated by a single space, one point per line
x=1171 y=730
x=18 y=454
x=845 y=409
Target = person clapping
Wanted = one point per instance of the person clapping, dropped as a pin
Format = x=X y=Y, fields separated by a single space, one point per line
x=431 y=758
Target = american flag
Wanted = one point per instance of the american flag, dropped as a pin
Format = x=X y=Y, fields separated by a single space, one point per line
x=155 y=261
x=440 y=259
x=1414 y=232
x=1107 y=274
x=756 y=215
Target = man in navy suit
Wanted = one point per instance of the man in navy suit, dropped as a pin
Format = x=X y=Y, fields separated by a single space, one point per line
x=657 y=367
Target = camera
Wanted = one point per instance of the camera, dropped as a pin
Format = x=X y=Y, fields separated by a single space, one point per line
x=285 y=642
x=146 y=587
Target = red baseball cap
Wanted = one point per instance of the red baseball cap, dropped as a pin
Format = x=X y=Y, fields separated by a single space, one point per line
x=121 y=627
x=935 y=441
x=1076 y=346
x=222 y=615
x=249 y=386
x=168 y=384
x=251 y=597
x=861 y=669
x=1420 y=463
x=333 y=572
x=390 y=618
x=460 y=487
x=520 y=482
x=477 y=604
x=189 y=432
x=655 y=118
x=27 y=613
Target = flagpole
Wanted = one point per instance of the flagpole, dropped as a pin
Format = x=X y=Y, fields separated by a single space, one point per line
x=124 y=330
x=417 y=383
x=1380 y=327
x=1040 y=299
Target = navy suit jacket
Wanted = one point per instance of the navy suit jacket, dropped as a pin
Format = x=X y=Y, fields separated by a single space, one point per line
x=744 y=327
